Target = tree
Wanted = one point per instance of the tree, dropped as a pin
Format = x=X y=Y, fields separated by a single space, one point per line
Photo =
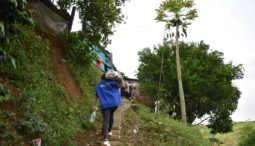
x=207 y=82
x=98 y=17
x=177 y=13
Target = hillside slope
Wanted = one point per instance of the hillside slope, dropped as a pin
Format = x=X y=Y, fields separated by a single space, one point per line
x=62 y=70
x=141 y=127
x=52 y=96
x=234 y=138
x=42 y=88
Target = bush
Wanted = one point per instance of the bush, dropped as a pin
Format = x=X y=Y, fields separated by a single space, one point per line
x=248 y=136
x=31 y=125
x=78 y=50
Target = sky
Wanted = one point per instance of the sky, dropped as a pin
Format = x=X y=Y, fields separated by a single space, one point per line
x=226 y=25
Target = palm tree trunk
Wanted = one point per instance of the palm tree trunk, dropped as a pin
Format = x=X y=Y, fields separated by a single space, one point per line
x=179 y=75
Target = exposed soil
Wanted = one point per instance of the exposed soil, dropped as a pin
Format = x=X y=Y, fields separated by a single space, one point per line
x=11 y=89
x=62 y=71
x=10 y=105
x=143 y=99
x=91 y=137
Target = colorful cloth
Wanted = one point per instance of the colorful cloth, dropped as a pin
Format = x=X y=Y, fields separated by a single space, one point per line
x=99 y=61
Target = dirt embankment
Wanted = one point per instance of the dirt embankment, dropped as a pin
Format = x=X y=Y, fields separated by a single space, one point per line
x=143 y=99
x=11 y=105
x=61 y=69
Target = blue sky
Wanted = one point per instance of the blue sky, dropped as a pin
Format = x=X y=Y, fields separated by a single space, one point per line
x=226 y=25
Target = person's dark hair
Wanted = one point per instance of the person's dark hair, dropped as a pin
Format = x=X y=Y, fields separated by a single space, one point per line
x=103 y=76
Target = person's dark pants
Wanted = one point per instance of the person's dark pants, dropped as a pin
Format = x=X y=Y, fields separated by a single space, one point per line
x=108 y=119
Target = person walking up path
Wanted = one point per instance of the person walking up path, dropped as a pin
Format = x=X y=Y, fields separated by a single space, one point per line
x=108 y=93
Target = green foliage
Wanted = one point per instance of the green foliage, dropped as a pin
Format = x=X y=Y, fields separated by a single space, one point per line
x=247 y=136
x=221 y=122
x=31 y=125
x=87 y=76
x=215 y=140
x=242 y=131
x=12 y=12
x=7 y=123
x=207 y=82
x=42 y=95
x=6 y=59
x=176 y=12
x=79 y=51
x=4 y=94
x=98 y=18
x=161 y=130
x=15 y=12
x=65 y=4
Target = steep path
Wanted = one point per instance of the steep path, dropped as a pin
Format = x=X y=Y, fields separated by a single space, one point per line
x=115 y=138
x=95 y=138
x=62 y=71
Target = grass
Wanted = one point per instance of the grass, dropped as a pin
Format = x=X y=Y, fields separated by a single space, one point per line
x=234 y=138
x=42 y=95
x=242 y=132
x=159 y=130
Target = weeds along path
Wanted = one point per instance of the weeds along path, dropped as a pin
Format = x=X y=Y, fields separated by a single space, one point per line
x=61 y=69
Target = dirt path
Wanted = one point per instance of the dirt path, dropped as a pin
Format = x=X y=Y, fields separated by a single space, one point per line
x=62 y=71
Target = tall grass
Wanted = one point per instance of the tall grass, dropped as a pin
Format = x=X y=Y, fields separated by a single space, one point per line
x=247 y=135
x=242 y=133
x=164 y=131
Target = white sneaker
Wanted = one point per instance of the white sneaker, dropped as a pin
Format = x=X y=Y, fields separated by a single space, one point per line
x=106 y=143
x=110 y=134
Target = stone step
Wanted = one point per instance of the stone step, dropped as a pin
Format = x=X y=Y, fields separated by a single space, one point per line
x=114 y=138
x=117 y=121
x=116 y=127
x=116 y=132
x=115 y=143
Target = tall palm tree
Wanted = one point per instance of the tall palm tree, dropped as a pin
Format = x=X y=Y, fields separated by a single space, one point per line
x=178 y=14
